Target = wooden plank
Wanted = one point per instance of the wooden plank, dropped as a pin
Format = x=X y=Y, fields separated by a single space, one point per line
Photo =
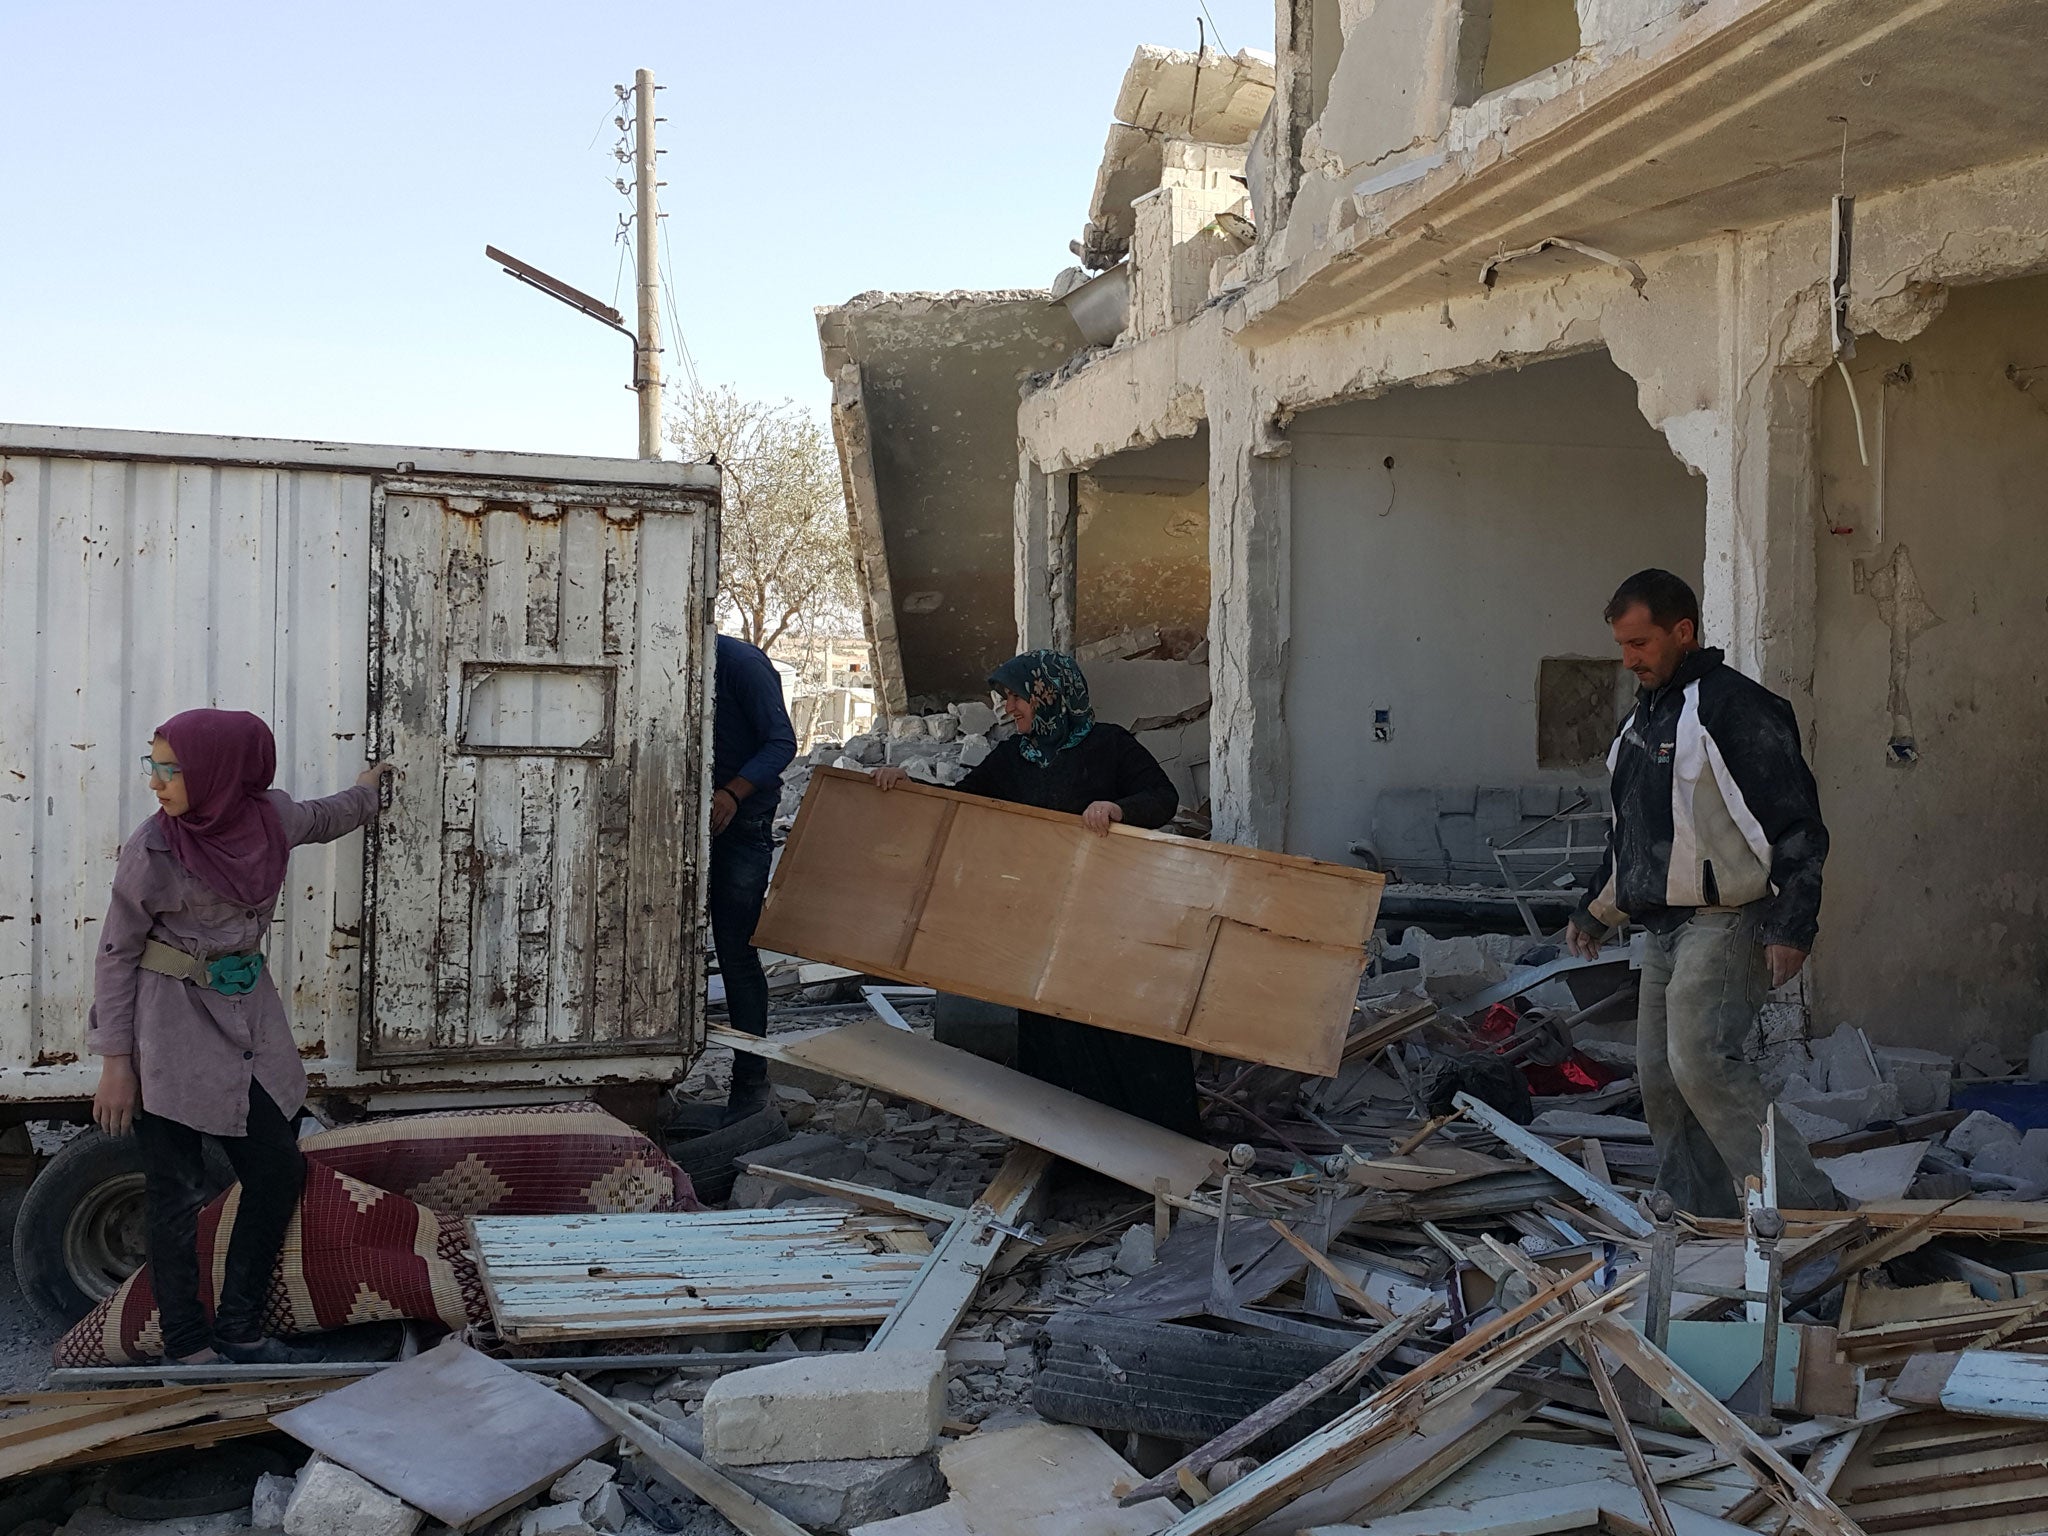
x=1344 y=1285
x=643 y=1275
x=497 y=1436
x=944 y=1289
x=1557 y=1165
x=1334 y=1377
x=1238 y=951
x=1352 y=1436
x=1544 y=1512
x=1624 y=1436
x=1114 y=1144
x=866 y=1196
x=732 y=1501
x=1981 y=1383
x=1807 y=1505
x=70 y=1441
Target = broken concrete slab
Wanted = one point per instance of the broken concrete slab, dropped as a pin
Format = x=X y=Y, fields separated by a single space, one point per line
x=1811 y=1126
x=1034 y=1477
x=330 y=1500
x=1983 y=1059
x=1978 y=1131
x=924 y=410
x=1137 y=1250
x=829 y=1495
x=1883 y=1173
x=1858 y=1108
x=580 y=1482
x=556 y=1520
x=1566 y=1122
x=830 y=1408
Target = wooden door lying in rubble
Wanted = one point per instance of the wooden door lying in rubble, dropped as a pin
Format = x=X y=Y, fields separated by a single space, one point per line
x=538 y=675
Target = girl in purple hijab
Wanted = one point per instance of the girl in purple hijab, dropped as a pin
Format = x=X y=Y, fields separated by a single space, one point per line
x=190 y=1030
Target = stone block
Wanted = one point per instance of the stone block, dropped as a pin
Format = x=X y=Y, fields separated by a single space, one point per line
x=580 y=1482
x=951 y=774
x=974 y=750
x=974 y=716
x=906 y=728
x=605 y=1510
x=1812 y=1127
x=1137 y=1251
x=865 y=749
x=1924 y=1078
x=2010 y=1159
x=1846 y=1060
x=904 y=752
x=555 y=1520
x=1979 y=1131
x=832 y=1408
x=923 y=769
x=2036 y=1143
x=267 y=1507
x=330 y=1500
x=941 y=727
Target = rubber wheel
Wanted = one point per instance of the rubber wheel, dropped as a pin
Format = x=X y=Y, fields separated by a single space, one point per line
x=180 y=1485
x=80 y=1230
x=710 y=1159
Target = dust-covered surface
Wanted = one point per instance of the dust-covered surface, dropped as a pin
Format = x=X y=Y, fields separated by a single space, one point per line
x=25 y=1339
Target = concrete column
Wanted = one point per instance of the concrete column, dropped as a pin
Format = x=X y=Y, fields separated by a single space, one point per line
x=1062 y=557
x=1033 y=571
x=1250 y=494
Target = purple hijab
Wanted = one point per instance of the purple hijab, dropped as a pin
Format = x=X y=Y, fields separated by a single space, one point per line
x=230 y=838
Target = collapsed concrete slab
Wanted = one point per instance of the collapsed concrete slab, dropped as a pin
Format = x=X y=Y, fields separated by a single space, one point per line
x=924 y=408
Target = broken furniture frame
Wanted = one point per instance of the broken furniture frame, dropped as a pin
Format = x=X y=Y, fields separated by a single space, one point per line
x=1519 y=885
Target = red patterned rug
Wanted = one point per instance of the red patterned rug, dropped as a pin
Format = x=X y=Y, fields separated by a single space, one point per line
x=379 y=1234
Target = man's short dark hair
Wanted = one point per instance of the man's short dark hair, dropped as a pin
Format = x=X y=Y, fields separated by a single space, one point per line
x=1669 y=599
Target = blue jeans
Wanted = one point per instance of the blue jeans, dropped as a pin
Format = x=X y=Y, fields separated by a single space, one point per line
x=738 y=884
x=1702 y=985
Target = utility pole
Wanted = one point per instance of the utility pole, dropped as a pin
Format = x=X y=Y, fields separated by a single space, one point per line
x=647 y=351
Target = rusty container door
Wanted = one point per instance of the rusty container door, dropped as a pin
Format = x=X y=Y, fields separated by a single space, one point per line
x=538 y=672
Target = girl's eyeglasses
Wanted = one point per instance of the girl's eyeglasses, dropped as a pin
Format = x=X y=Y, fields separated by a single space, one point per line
x=163 y=773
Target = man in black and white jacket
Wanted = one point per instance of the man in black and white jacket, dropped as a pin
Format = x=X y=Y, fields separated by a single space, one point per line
x=1715 y=851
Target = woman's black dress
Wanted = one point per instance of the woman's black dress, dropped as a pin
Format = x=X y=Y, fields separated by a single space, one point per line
x=1151 y=1079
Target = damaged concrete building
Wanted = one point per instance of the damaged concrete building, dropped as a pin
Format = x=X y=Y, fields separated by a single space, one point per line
x=1390 y=356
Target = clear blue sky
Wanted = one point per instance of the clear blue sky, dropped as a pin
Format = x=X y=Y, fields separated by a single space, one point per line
x=270 y=218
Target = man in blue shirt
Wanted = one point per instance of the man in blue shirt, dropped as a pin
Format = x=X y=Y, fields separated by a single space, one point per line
x=751 y=743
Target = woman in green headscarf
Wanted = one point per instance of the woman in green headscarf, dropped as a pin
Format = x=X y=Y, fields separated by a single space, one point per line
x=1063 y=759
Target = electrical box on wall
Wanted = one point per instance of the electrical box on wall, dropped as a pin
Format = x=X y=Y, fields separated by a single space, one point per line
x=1382 y=724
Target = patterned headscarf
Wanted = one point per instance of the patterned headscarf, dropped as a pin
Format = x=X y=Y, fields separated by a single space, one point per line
x=1061 y=714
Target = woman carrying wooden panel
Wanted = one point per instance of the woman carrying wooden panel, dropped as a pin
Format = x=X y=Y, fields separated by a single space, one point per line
x=1063 y=759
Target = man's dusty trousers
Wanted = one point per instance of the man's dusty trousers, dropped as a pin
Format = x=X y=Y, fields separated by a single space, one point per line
x=1702 y=985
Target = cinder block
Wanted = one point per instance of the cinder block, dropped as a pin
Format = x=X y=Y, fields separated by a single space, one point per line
x=829 y=1408
x=330 y=1500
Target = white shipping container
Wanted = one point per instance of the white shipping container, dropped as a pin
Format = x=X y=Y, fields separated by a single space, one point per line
x=528 y=636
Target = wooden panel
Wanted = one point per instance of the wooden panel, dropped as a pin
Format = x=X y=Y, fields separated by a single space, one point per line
x=1233 y=950
x=890 y=1060
x=637 y=1276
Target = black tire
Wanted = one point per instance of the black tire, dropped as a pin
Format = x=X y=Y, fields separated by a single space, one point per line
x=710 y=1159
x=1170 y=1380
x=79 y=1232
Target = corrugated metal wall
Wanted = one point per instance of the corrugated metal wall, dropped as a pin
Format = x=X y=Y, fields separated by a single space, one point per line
x=129 y=591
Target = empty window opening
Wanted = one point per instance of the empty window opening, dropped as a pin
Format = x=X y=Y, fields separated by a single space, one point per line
x=1503 y=41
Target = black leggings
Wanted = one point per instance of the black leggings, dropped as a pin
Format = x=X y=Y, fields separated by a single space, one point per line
x=272 y=1172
